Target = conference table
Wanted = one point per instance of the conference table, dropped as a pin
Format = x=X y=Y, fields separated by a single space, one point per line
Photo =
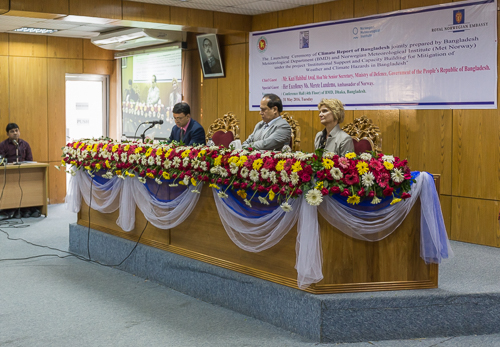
x=24 y=185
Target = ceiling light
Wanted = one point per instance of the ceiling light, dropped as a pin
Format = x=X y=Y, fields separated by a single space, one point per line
x=35 y=30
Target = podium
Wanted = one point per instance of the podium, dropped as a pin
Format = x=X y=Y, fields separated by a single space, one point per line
x=26 y=185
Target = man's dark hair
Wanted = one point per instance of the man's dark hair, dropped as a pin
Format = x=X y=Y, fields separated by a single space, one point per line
x=274 y=100
x=129 y=82
x=207 y=39
x=154 y=76
x=11 y=126
x=182 y=107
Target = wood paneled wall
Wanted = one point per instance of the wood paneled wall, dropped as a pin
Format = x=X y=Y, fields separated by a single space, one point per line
x=461 y=145
x=32 y=92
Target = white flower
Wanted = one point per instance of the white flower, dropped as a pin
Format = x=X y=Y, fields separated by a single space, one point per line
x=336 y=173
x=167 y=163
x=204 y=166
x=158 y=160
x=195 y=191
x=157 y=180
x=173 y=185
x=294 y=177
x=328 y=155
x=388 y=158
x=233 y=168
x=273 y=178
x=186 y=180
x=144 y=161
x=314 y=197
x=141 y=179
x=367 y=179
x=124 y=157
x=397 y=176
x=151 y=161
x=213 y=148
x=286 y=207
x=247 y=202
x=176 y=162
x=376 y=200
x=266 y=154
x=244 y=172
x=254 y=152
x=365 y=156
x=263 y=200
x=196 y=163
x=264 y=173
x=254 y=176
x=284 y=176
x=115 y=156
x=222 y=195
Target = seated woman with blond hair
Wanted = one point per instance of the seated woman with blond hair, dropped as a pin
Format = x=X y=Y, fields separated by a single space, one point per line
x=332 y=138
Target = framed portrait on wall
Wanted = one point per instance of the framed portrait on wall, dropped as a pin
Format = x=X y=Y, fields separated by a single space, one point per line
x=210 y=57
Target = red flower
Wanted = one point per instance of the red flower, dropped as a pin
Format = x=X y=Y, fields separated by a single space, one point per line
x=236 y=185
x=261 y=188
x=351 y=179
x=361 y=192
x=226 y=181
x=405 y=195
x=306 y=178
x=244 y=185
x=388 y=191
x=335 y=190
x=275 y=188
x=371 y=194
x=298 y=191
x=345 y=192
x=324 y=191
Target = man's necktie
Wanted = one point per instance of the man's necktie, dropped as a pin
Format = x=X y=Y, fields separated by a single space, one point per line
x=182 y=134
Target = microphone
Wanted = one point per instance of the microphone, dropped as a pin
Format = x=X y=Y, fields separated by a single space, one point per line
x=154 y=122
x=15 y=143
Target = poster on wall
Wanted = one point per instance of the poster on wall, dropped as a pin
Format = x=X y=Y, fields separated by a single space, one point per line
x=151 y=86
x=436 y=57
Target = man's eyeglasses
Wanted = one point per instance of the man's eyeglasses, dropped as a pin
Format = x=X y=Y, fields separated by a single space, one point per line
x=179 y=118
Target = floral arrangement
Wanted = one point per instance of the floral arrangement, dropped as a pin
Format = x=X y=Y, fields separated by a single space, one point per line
x=254 y=175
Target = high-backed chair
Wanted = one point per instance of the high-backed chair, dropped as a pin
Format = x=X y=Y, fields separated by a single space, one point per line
x=224 y=130
x=365 y=135
x=294 y=124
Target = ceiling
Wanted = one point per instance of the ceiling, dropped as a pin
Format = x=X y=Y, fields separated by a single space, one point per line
x=88 y=27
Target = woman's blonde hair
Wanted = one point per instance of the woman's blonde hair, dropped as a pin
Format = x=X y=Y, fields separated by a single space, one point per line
x=335 y=106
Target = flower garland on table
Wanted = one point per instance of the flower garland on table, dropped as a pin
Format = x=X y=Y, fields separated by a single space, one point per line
x=361 y=177
x=254 y=175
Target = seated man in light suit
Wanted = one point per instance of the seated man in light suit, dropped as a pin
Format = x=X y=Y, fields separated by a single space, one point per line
x=273 y=132
x=186 y=129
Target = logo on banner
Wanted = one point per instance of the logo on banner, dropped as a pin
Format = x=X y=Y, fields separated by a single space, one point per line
x=262 y=44
x=304 y=39
x=458 y=16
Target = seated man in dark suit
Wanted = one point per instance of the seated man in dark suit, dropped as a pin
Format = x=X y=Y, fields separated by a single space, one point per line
x=186 y=129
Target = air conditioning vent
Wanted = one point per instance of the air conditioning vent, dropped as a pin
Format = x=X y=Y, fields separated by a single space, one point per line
x=133 y=38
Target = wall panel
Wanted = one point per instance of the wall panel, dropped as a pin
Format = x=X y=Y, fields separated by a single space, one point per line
x=4 y=44
x=335 y=10
x=388 y=122
x=265 y=21
x=191 y=17
x=296 y=16
x=57 y=70
x=91 y=51
x=426 y=141
x=28 y=102
x=475 y=221
x=231 y=21
x=476 y=154
x=369 y=7
x=57 y=183
x=144 y=12
x=4 y=93
x=27 y=45
x=405 y=4
x=64 y=47
x=111 y=9
x=45 y=6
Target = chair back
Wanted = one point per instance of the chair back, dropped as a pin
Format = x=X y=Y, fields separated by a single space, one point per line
x=363 y=128
x=224 y=130
x=294 y=124
x=362 y=145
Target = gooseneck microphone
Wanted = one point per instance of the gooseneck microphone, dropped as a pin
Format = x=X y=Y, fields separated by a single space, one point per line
x=15 y=143
x=154 y=122
x=17 y=150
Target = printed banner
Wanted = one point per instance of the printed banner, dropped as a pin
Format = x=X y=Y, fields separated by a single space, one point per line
x=436 y=57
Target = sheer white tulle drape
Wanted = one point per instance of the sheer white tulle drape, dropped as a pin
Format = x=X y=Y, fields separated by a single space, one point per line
x=105 y=197
x=161 y=214
x=126 y=194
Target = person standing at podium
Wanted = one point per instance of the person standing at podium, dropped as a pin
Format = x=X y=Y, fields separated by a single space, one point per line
x=14 y=149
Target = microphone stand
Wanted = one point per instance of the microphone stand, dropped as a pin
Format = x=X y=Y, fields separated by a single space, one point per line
x=143 y=135
x=17 y=155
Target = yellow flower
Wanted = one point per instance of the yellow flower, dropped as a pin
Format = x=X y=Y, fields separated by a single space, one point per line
x=350 y=155
x=362 y=167
x=182 y=183
x=257 y=164
x=89 y=147
x=126 y=148
x=213 y=185
x=150 y=175
x=388 y=166
x=72 y=162
x=296 y=167
x=148 y=152
x=271 y=195
x=115 y=148
x=81 y=146
x=159 y=151
x=353 y=200
x=218 y=160
x=98 y=166
x=242 y=160
x=242 y=193
x=280 y=165
x=319 y=186
x=118 y=172
x=107 y=164
x=63 y=163
x=233 y=160
x=328 y=163
x=137 y=150
x=95 y=148
x=105 y=146
x=87 y=168
x=129 y=174
x=202 y=152
x=185 y=153
x=75 y=145
x=193 y=182
x=395 y=201
x=166 y=175
x=168 y=153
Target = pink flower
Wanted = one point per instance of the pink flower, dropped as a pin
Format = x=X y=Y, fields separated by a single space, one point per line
x=344 y=162
x=371 y=194
x=351 y=179
x=362 y=192
x=383 y=179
